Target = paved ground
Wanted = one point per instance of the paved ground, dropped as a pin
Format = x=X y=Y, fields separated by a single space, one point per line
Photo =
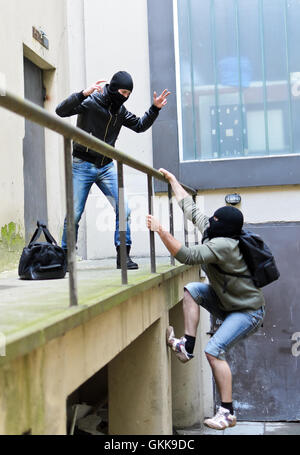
x=246 y=428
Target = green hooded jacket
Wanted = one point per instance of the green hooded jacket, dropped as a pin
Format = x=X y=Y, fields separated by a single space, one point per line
x=235 y=294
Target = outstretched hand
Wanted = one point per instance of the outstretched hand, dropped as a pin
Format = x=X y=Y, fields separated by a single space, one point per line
x=179 y=191
x=166 y=174
x=161 y=100
x=94 y=88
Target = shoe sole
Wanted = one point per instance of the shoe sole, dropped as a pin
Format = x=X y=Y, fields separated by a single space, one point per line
x=180 y=355
x=211 y=425
x=169 y=333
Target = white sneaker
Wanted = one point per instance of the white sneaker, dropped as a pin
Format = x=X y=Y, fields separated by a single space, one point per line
x=178 y=346
x=223 y=419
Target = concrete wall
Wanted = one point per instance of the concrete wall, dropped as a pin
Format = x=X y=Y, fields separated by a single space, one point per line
x=77 y=77
x=129 y=337
x=78 y=55
x=117 y=39
x=82 y=49
x=259 y=205
x=16 y=22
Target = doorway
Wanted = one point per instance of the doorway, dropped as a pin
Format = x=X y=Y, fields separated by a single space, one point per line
x=34 y=167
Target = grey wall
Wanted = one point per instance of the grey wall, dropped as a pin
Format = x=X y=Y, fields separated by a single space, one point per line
x=240 y=173
x=266 y=366
x=162 y=74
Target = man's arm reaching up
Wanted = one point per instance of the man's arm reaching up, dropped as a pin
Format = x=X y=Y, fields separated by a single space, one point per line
x=199 y=254
x=186 y=203
x=170 y=242
x=179 y=191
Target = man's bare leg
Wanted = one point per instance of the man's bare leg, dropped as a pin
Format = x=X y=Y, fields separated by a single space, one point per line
x=220 y=368
x=191 y=314
x=222 y=374
x=225 y=417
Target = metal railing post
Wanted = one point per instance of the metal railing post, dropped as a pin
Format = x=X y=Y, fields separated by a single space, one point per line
x=151 y=233
x=71 y=238
x=171 y=218
x=186 y=234
x=122 y=224
x=39 y=115
x=195 y=227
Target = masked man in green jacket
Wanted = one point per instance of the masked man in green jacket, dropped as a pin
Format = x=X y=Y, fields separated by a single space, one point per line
x=234 y=300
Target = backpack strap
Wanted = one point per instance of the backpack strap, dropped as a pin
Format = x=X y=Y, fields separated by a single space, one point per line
x=230 y=274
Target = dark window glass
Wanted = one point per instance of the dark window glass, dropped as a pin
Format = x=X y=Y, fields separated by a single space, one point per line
x=239 y=78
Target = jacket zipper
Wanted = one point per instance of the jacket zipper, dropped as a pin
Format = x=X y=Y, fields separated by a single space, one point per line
x=108 y=123
x=110 y=118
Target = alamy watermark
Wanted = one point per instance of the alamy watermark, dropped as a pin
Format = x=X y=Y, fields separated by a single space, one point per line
x=295 y=84
x=2 y=84
x=2 y=345
x=296 y=346
x=136 y=210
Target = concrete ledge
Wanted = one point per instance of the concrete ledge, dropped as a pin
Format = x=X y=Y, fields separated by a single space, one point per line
x=55 y=323
x=123 y=328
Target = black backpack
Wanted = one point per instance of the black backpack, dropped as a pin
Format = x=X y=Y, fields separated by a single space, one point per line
x=259 y=259
x=42 y=260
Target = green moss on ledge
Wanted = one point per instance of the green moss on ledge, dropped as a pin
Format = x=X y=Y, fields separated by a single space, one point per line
x=11 y=246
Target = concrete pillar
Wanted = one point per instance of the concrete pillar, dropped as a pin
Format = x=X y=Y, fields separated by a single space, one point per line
x=187 y=408
x=139 y=386
x=206 y=389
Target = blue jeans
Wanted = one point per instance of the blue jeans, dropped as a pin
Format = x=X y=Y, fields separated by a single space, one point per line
x=236 y=325
x=84 y=175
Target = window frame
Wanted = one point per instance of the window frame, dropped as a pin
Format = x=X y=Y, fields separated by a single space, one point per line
x=210 y=174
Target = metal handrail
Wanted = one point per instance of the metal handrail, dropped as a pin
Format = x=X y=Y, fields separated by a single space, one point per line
x=36 y=114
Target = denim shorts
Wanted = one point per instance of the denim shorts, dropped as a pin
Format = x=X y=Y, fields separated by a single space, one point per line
x=236 y=325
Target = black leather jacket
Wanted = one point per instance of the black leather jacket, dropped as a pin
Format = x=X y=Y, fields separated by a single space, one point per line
x=95 y=117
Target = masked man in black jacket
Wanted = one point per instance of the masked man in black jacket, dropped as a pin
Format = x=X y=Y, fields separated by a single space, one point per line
x=101 y=112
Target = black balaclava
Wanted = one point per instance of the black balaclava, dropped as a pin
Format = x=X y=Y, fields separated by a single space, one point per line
x=122 y=80
x=229 y=224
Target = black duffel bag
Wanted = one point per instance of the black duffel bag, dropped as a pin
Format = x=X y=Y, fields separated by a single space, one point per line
x=42 y=260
